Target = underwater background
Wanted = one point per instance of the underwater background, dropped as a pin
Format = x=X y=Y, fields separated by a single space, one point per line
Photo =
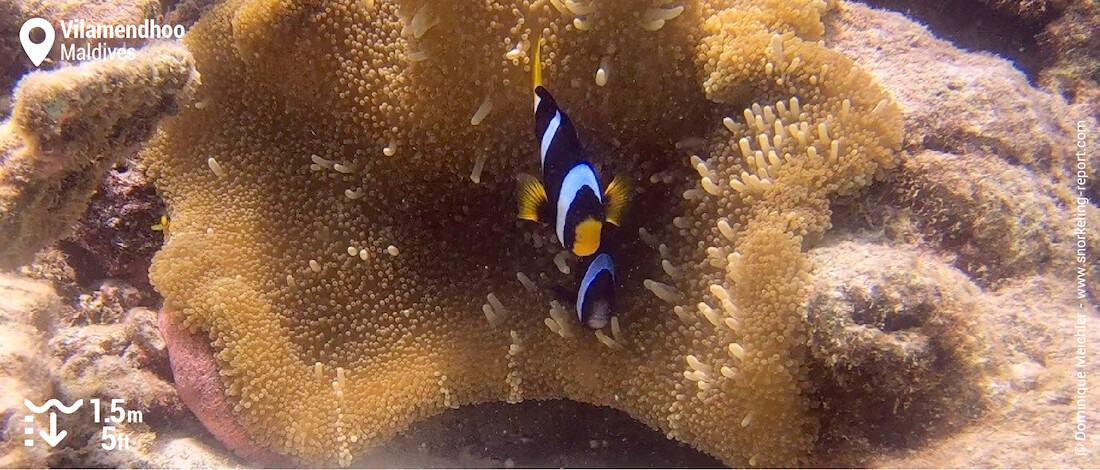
x=859 y=234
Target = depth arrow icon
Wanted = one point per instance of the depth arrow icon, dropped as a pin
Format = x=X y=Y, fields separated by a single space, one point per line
x=53 y=438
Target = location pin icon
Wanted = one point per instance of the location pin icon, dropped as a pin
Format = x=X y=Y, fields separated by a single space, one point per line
x=36 y=52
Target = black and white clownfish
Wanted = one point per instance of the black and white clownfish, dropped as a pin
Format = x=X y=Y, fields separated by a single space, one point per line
x=595 y=294
x=569 y=195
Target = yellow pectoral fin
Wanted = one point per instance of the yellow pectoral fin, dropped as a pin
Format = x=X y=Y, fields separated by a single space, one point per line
x=587 y=240
x=532 y=197
x=616 y=197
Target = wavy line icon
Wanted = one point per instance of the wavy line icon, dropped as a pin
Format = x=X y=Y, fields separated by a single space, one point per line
x=53 y=403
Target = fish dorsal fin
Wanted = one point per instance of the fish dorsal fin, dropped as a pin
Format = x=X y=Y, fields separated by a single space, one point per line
x=536 y=68
x=532 y=199
x=615 y=198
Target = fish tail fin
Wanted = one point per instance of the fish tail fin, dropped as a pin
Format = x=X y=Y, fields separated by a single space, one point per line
x=617 y=195
x=532 y=199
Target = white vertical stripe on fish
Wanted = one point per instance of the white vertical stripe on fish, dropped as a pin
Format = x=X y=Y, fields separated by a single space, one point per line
x=577 y=178
x=548 y=136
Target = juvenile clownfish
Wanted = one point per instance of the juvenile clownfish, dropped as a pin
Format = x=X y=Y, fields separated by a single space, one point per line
x=595 y=295
x=569 y=194
x=163 y=225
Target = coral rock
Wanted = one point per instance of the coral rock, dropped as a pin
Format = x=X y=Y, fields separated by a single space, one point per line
x=108 y=304
x=992 y=162
x=115 y=231
x=1026 y=324
x=960 y=102
x=68 y=128
x=28 y=315
x=997 y=220
x=1074 y=52
x=11 y=19
x=895 y=342
x=125 y=360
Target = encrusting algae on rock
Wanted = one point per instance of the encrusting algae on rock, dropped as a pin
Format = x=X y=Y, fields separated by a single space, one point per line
x=328 y=348
x=68 y=128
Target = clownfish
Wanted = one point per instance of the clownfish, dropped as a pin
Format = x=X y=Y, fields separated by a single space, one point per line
x=595 y=295
x=569 y=195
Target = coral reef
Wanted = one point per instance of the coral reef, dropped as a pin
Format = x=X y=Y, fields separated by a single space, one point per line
x=937 y=89
x=101 y=346
x=1026 y=8
x=313 y=258
x=960 y=186
x=96 y=12
x=1075 y=52
x=896 y=343
x=28 y=316
x=68 y=128
x=1031 y=414
x=14 y=12
x=343 y=252
x=971 y=206
x=1050 y=40
x=907 y=315
x=52 y=265
x=986 y=187
x=109 y=351
x=116 y=358
x=114 y=233
x=187 y=12
x=11 y=19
